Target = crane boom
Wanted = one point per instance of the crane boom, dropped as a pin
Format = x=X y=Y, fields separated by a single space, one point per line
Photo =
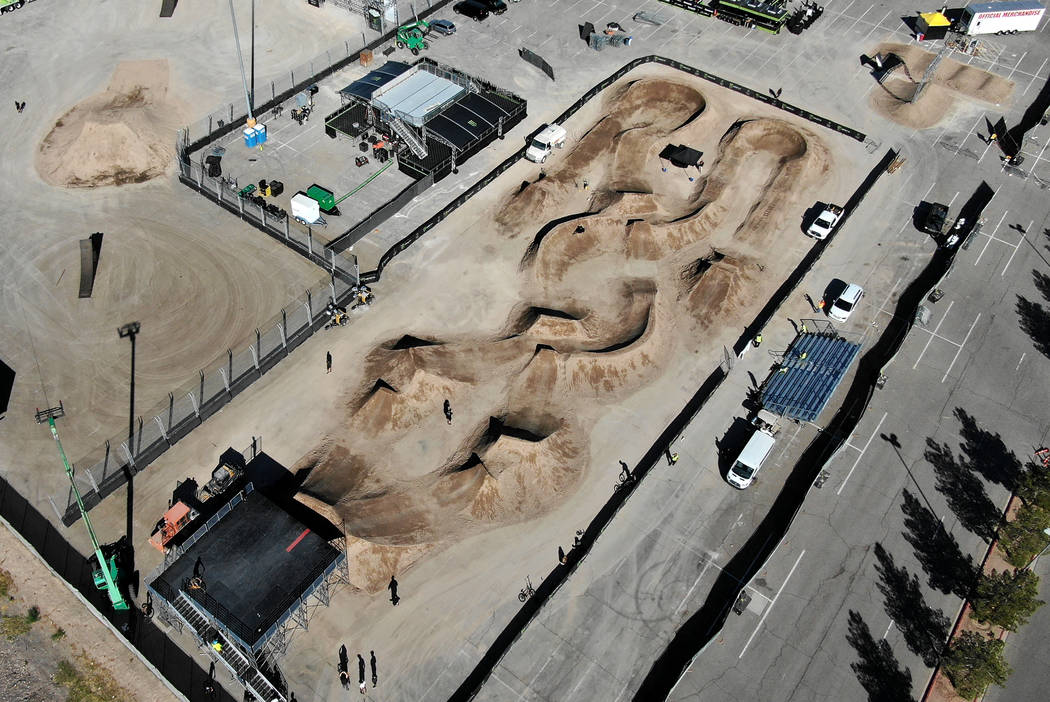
x=115 y=597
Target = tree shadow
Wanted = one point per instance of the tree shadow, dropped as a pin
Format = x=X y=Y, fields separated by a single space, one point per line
x=987 y=453
x=924 y=628
x=947 y=568
x=963 y=490
x=1034 y=317
x=878 y=670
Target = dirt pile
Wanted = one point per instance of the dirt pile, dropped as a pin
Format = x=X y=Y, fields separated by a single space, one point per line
x=126 y=134
x=676 y=257
x=951 y=82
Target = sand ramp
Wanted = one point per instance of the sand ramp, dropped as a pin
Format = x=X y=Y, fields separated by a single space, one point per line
x=125 y=134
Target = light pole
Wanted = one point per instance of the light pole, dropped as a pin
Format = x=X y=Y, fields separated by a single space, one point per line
x=130 y=331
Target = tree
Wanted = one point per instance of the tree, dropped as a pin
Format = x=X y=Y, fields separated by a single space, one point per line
x=1034 y=486
x=1007 y=599
x=975 y=662
x=1023 y=538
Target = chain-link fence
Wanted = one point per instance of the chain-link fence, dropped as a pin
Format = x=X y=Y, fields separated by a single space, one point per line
x=155 y=431
x=270 y=219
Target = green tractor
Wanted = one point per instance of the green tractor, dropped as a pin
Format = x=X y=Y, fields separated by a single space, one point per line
x=411 y=36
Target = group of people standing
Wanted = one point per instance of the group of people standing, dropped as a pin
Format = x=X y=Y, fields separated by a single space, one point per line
x=344 y=674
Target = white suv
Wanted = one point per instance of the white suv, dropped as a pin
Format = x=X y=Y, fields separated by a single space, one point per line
x=842 y=307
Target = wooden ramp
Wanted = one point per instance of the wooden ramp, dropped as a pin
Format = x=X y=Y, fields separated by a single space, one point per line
x=90 y=249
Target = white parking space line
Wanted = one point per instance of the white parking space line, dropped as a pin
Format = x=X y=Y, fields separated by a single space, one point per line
x=1024 y=238
x=1010 y=77
x=959 y=350
x=990 y=237
x=681 y=605
x=861 y=454
x=952 y=201
x=1038 y=72
x=1018 y=366
x=580 y=681
x=878 y=26
x=932 y=334
x=771 y=604
x=889 y=295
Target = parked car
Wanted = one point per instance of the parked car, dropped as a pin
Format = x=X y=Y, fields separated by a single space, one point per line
x=443 y=26
x=825 y=222
x=496 y=7
x=843 y=306
x=471 y=9
x=933 y=222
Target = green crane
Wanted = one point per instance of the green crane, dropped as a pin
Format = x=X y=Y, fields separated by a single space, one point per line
x=106 y=575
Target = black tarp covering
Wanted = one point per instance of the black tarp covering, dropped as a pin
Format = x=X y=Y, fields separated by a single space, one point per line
x=681 y=156
x=363 y=88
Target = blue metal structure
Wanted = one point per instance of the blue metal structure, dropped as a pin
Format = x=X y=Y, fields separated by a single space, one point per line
x=808 y=376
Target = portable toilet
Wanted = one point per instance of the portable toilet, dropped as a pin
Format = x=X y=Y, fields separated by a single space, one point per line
x=260 y=134
x=251 y=137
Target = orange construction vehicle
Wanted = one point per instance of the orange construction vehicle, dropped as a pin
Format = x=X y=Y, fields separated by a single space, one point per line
x=177 y=517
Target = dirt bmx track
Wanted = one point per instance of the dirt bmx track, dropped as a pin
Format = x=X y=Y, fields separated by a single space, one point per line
x=621 y=267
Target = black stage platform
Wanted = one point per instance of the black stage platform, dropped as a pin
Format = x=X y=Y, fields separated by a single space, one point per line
x=258 y=562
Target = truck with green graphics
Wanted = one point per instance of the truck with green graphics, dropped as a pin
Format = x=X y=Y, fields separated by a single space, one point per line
x=11 y=5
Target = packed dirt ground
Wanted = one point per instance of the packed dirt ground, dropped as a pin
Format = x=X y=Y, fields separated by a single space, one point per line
x=621 y=262
x=950 y=87
x=49 y=643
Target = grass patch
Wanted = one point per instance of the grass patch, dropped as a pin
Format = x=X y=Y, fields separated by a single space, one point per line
x=13 y=627
x=33 y=615
x=59 y=634
x=87 y=681
x=7 y=584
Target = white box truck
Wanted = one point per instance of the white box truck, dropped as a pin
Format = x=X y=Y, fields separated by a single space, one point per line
x=1001 y=17
x=552 y=137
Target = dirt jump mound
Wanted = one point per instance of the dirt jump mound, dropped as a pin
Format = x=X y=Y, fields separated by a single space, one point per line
x=126 y=134
x=950 y=83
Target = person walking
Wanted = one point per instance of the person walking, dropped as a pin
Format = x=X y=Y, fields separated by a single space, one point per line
x=394 y=599
x=758 y=340
x=372 y=662
x=328 y=362
x=448 y=411
x=344 y=664
x=361 y=672
x=672 y=458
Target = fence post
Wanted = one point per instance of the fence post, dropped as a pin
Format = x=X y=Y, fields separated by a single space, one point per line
x=280 y=330
x=292 y=74
x=231 y=113
x=240 y=206
x=91 y=479
x=163 y=432
x=225 y=381
x=202 y=391
x=309 y=308
x=127 y=453
x=273 y=91
x=329 y=53
x=57 y=513
x=262 y=213
x=287 y=233
x=138 y=434
x=229 y=355
x=255 y=359
x=171 y=409
x=105 y=460
x=218 y=193
x=310 y=240
x=196 y=406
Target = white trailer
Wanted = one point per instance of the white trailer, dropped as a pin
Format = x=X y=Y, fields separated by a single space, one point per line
x=1001 y=17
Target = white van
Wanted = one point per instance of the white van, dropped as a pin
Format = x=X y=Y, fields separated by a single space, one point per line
x=751 y=458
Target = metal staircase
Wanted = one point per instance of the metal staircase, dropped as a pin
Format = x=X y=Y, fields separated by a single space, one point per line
x=930 y=70
x=415 y=144
x=243 y=668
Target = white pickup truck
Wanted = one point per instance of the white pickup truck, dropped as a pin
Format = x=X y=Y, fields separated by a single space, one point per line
x=552 y=137
x=825 y=222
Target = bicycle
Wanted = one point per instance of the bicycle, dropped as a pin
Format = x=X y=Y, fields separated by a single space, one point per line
x=527 y=591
